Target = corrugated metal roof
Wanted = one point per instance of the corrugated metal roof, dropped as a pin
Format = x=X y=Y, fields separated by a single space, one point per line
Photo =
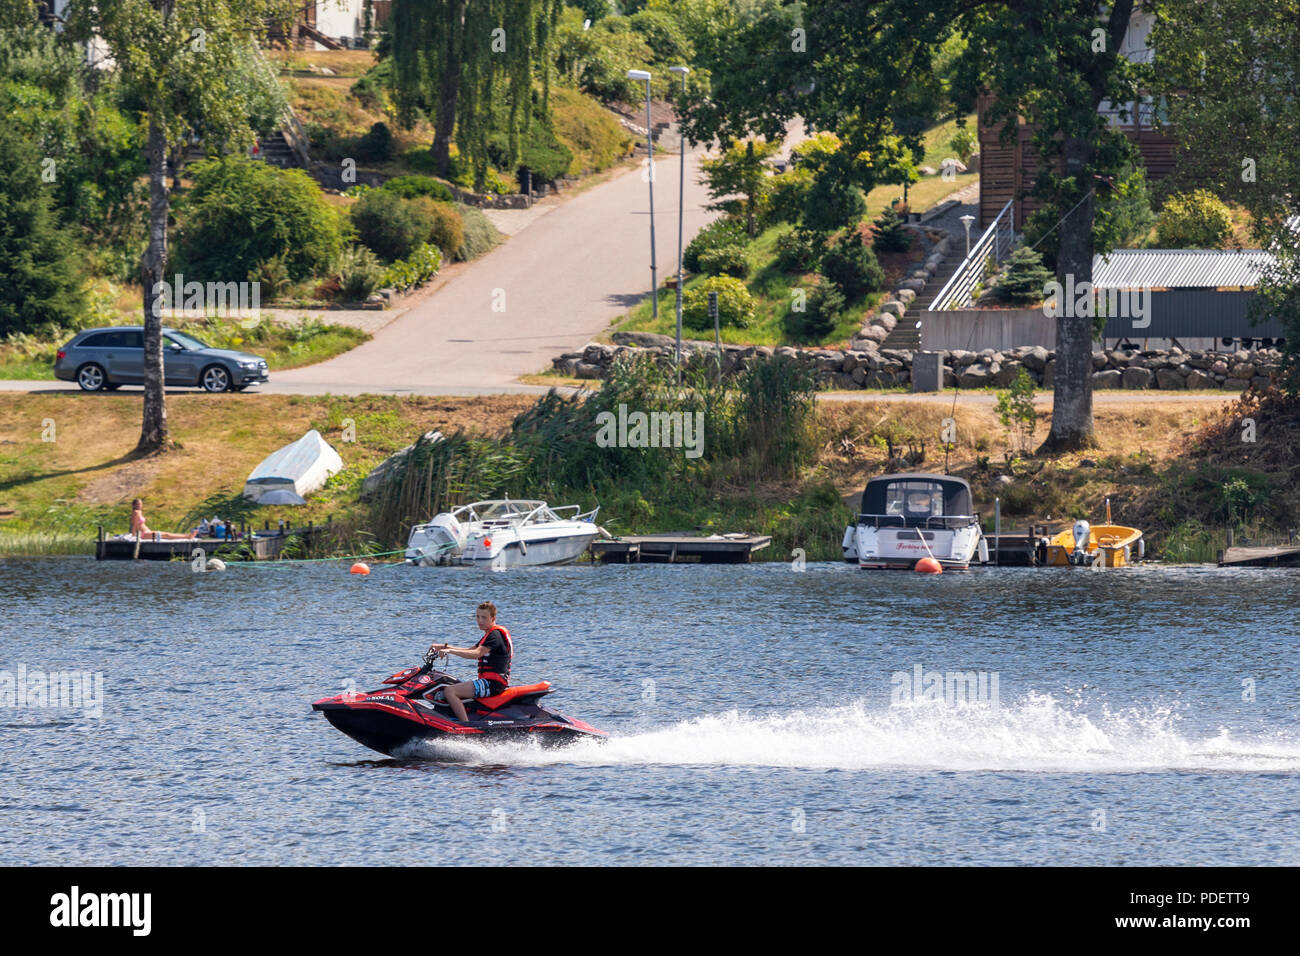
x=1179 y=268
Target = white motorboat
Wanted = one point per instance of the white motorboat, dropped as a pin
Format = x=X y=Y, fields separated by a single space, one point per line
x=912 y=516
x=503 y=534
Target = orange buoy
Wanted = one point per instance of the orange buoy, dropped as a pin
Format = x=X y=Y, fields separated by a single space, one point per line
x=928 y=566
x=361 y=568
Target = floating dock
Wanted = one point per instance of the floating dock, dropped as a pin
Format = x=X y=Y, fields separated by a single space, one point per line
x=1016 y=549
x=675 y=548
x=265 y=545
x=1287 y=556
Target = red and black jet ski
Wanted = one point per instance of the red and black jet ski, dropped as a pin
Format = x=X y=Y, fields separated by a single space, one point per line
x=406 y=711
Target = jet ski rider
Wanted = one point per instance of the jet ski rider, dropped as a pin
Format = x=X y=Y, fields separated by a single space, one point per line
x=494 y=652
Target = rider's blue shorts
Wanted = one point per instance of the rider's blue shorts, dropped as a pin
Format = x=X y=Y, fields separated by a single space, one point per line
x=486 y=688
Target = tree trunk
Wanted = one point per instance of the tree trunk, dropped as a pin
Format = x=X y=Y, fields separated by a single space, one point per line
x=449 y=91
x=153 y=428
x=1072 y=395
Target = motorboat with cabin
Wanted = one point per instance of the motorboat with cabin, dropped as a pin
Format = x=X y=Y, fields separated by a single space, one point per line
x=503 y=533
x=907 y=517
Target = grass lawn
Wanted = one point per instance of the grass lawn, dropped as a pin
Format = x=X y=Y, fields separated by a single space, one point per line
x=771 y=289
x=283 y=346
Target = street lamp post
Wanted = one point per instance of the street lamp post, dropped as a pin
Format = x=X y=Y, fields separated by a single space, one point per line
x=650 y=165
x=966 y=221
x=681 y=212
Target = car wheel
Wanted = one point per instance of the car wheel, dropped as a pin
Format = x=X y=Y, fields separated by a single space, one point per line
x=215 y=378
x=91 y=377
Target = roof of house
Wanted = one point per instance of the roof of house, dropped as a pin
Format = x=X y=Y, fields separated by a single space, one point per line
x=1179 y=268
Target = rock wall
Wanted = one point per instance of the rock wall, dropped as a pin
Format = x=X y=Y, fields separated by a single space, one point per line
x=872 y=367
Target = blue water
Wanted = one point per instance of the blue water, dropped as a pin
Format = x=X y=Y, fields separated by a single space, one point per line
x=754 y=714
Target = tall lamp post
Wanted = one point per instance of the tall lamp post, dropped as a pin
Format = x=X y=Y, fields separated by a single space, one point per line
x=966 y=221
x=681 y=212
x=650 y=165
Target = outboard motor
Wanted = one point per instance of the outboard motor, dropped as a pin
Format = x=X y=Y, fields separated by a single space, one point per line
x=446 y=532
x=1082 y=533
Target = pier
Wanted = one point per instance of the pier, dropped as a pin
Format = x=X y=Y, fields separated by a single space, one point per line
x=264 y=545
x=1273 y=557
x=677 y=548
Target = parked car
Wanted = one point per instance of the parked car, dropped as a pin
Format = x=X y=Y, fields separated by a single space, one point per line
x=108 y=358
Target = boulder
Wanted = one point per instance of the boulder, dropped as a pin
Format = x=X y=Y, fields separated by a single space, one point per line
x=975 y=376
x=1198 y=379
x=886 y=321
x=1007 y=374
x=588 y=370
x=906 y=296
x=1036 y=358
x=1169 y=378
x=1242 y=370
x=873 y=333
x=1111 y=378
x=956 y=165
x=643 y=339
x=915 y=284
x=1219 y=368
x=1261 y=381
x=1134 y=377
x=1049 y=374
x=1236 y=384
x=1098 y=360
x=893 y=307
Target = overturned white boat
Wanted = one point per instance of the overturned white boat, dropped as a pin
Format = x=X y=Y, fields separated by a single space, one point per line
x=912 y=516
x=503 y=534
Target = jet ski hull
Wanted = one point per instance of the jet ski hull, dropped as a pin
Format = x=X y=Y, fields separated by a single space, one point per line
x=392 y=735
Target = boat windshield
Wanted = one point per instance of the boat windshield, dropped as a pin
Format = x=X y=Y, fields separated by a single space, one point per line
x=508 y=511
x=914 y=499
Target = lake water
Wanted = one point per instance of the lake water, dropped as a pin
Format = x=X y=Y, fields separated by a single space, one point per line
x=758 y=715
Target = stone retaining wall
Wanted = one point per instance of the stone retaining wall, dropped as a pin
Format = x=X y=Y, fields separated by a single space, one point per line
x=888 y=368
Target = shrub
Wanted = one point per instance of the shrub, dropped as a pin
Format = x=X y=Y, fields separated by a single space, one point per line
x=1195 y=220
x=1016 y=411
x=852 y=266
x=1024 y=278
x=720 y=232
x=241 y=212
x=832 y=203
x=963 y=144
x=823 y=307
x=408 y=187
x=360 y=273
x=590 y=131
x=421 y=266
x=447 y=231
x=390 y=226
x=377 y=145
x=788 y=197
x=891 y=236
x=798 y=250
x=725 y=261
x=272 y=277
x=735 y=304
x=539 y=153
x=479 y=235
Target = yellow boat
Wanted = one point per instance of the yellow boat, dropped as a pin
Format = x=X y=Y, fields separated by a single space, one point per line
x=1108 y=545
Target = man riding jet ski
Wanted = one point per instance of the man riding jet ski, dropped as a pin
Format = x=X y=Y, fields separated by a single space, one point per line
x=421 y=703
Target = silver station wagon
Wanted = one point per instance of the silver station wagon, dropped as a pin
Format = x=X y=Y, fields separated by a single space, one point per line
x=107 y=358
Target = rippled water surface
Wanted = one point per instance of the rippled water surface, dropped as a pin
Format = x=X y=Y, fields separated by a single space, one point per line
x=755 y=715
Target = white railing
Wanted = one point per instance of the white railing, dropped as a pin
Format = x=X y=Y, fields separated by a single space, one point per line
x=996 y=244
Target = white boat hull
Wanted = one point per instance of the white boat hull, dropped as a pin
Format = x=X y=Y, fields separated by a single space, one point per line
x=891 y=547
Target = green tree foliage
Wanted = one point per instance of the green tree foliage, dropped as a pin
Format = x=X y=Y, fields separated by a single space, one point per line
x=891 y=236
x=41 y=283
x=392 y=227
x=1195 y=220
x=1017 y=413
x=719 y=233
x=742 y=170
x=798 y=250
x=1227 y=70
x=852 y=266
x=1023 y=278
x=822 y=308
x=470 y=65
x=833 y=203
x=241 y=212
x=735 y=304
x=376 y=146
x=963 y=144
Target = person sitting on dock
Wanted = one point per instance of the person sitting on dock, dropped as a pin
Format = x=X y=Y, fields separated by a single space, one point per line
x=140 y=527
x=494 y=652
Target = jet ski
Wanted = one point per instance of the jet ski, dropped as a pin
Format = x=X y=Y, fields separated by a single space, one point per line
x=406 y=711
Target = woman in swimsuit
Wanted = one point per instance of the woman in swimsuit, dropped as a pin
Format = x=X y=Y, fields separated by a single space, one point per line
x=140 y=528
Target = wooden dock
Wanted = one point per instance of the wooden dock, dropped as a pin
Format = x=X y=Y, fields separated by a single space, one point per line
x=1276 y=557
x=265 y=545
x=1015 y=549
x=677 y=548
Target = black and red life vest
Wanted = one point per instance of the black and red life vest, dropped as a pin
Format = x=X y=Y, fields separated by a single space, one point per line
x=495 y=665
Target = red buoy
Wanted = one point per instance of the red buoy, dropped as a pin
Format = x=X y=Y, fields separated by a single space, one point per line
x=361 y=568
x=928 y=566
